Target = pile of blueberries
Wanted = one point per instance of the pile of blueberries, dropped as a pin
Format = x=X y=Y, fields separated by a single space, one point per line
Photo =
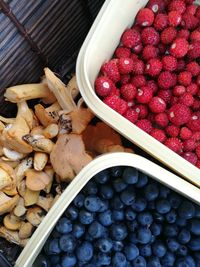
x=123 y=218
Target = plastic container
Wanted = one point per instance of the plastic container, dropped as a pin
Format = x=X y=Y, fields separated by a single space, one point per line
x=156 y=172
x=99 y=46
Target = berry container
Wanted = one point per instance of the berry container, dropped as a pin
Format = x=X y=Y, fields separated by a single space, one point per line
x=153 y=170
x=98 y=47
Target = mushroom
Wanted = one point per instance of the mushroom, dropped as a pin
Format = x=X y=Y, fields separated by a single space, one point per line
x=13 y=155
x=38 y=130
x=11 y=222
x=20 y=210
x=21 y=187
x=36 y=180
x=12 y=236
x=50 y=172
x=7 y=203
x=65 y=123
x=40 y=160
x=39 y=143
x=25 y=230
x=30 y=197
x=45 y=202
x=11 y=188
x=5 y=179
x=51 y=131
x=24 y=165
x=6 y=120
x=68 y=156
x=26 y=113
x=72 y=87
x=35 y=215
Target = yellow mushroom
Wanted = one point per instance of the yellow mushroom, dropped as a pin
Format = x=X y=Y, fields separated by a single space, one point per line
x=51 y=131
x=25 y=230
x=26 y=113
x=40 y=160
x=20 y=209
x=11 y=222
x=36 y=180
x=30 y=197
x=12 y=236
x=45 y=202
x=7 y=203
x=35 y=215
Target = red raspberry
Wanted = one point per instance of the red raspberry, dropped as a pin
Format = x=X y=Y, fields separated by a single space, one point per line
x=144 y=95
x=113 y=102
x=189 y=21
x=193 y=67
x=110 y=70
x=125 y=78
x=194 y=50
x=123 y=52
x=103 y=86
x=157 y=105
x=195 y=36
x=156 y=5
x=177 y=5
x=136 y=28
x=183 y=33
x=172 y=130
x=179 y=90
x=196 y=136
x=130 y=38
x=168 y=35
x=198 y=80
x=123 y=106
x=161 y=22
x=197 y=14
x=174 y=144
x=189 y=2
x=180 y=65
x=149 y=52
x=191 y=9
x=169 y=63
x=138 y=48
x=194 y=122
x=179 y=47
x=142 y=111
x=187 y=99
x=174 y=18
x=159 y=135
x=161 y=119
x=179 y=114
x=196 y=105
x=166 y=80
x=189 y=145
x=192 y=88
x=134 y=57
x=115 y=91
x=185 y=133
x=165 y=95
x=153 y=67
x=198 y=164
x=191 y=157
x=138 y=67
x=125 y=65
x=185 y=78
x=131 y=115
x=153 y=85
x=198 y=151
x=150 y=36
x=138 y=80
x=174 y=100
x=145 y=17
x=128 y=91
x=145 y=125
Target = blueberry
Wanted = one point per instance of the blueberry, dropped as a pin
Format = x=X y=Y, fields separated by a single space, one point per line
x=118 y=231
x=90 y=188
x=71 y=213
x=171 y=230
x=105 y=218
x=184 y=236
x=195 y=226
x=119 y=185
x=118 y=245
x=64 y=225
x=116 y=203
x=119 y=260
x=55 y=234
x=58 y=265
x=118 y=215
x=163 y=191
x=139 y=204
x=186 y=210
x=103 y=259
x=79 y=200
x=133 y=238
x=130 y=214
x=151 y=192
x=172 y=244
x=130 y=175
x=96 y=230
x=142 y=180
x=131 y=251
x=68 y=260
x=159 y=249
x=145 y=218
x=42 y=260
x=128 y=196
x=143 y=235
x=104 y=245
x=187 y=261
x=84 y=251
x=197 y=211
x=78 y=230
x=168 y=259
x=139 y=262
x=174 y=200
x=54 y=259
x=154 y=262
x=182 y=250
x=163 y=206
x=86 y=217
x=54 y=247
x=92 y=203
x=181 y=222
x=102 y=177
x=145 y=250
x=151 y=205
x=103 y=205
x=171 y=216
x=116 y=171
x=194 y=244
x=159 y=218
x=132 y=225
x=106 y=191
x=156 y=229
x=67 y=243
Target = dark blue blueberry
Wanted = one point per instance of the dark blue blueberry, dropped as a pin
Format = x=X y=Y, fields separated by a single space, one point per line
x=171 y=230
x=119 y=185
x=90 y=188
x=145 y=250
x=139 y=262
x=42 y=260
x=64 y=225
x=54 y=259
x=133 y=238
x=132 y=225
x=84 y=251
x=102 y=177
x=103 y=205
x=172 y=244
x=106 y=191
x=186 y=210
x=128 y=196
x=131 y=251
x=104 y=245
x=72 y=213
x=130 y=214
x=151 y=205
x=187 y=261
x=55 y=233
x=197 y=211
x=92 y=203
x=171 y=216
x=79 y=200
x=116 y=171
x=154 y=262
x=105 y=218
x=103 y=259
x=145 y=218
x=118 y=215
x=139 y=204
x=194 y=244
x=88 y=237
x=86 y=217
x=130 y=175
x=116 y=203
x=96 y=230
x=67 y=243
x=156 y=229
x=153 y=238
x=151 y=191
x=159 y=249
x=118 y=245
x=168 y=259
x=78 y=230
x=54 y=248
x=57 y=265
x=181 y=222
x=195 y=226
x=174 y=199
x=118 y=231
x=184 y=236
x=163 y=191
x=159 y=218
x=142 y=180
x=119 y=260
x=89 y=265
x=163 y=206
x=182 y=250
x=68 y=260
x=143 y=235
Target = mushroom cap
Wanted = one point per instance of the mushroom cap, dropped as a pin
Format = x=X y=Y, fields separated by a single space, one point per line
x=36 y=180
x=7 y=203
x=35 y=215
x=11 y=222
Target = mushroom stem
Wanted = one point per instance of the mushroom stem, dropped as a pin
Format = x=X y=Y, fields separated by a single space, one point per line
x=51 y=131
x=25 y=112
x=40 y=160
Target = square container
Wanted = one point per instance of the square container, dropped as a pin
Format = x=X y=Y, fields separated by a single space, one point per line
x=156 y=172
x=98 y=47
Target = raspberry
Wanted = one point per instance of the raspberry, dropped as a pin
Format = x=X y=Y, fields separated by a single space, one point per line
x=198 y=80
x=174 y=100
x=153 y=85
x=113 y=102
x=149 y=52
x=183 y=33
x=159 y=135
x=193 y=67
x=194 y=122
x=145 y=125
x=125 y=65
x=144 y=94
x=179 y=114
x=185 y=78
x=177 y=5
x=134 y=57
x=185 y=133
x=138 y=67
x=130 y=38
x=138 y=80
x=192 y=88
x=131 y=115
x=110 y=70
x=172 y=130
x=179 y=90
x=161 y=22
x=123 y=106
x=195 y=36
x=142 y=111
x=196 y=105
x=197 y=14
x=128 y=91
x=145 y=17
x=196 y=136
x=103 y=86
x=165 y=95
x=157 y=105
x=198 y=151
x=189 y=21
x=168 y=35
x=180 y=64
x=123 y=52
x=191 y=9
x=198 y=164
x=194 y=50
x=191 y=157
x=174 y=18
x=125 y=78
x=189 y=145
x=179 y=47
x=115 y=91
x=156 y=5
x=153 y=67
x=166 y=80
x=186 y=99
x=169 y=63
x=138 y=48
x=174 y=144
x=161 y=119
x=150 y=36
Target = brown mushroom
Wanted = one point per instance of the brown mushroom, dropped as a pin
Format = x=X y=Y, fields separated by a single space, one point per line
x=5 y=179
x=11 y=222
x=7 y=203
x=51 y=131
x=36 y=180
x=45 y=202
x=35 y=215
x=38 y=130
x=39 y=143
x=40 y=160
x=50 y=172
x=12 y=155
x=20 y=209
x=30 y=197
x=12 y=236
x=25 y=230
x=21 y=187
x=21 y=169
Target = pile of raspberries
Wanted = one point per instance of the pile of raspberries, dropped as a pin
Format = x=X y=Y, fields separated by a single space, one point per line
x=153 y=79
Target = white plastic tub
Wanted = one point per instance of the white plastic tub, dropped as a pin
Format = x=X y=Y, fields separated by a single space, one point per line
x=156 y=172
x=103 y=38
